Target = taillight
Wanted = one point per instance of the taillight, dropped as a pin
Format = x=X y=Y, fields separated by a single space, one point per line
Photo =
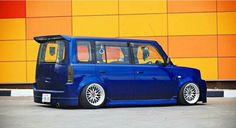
x=70 y=74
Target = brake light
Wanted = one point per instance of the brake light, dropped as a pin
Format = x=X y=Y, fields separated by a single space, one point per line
x=70 y=74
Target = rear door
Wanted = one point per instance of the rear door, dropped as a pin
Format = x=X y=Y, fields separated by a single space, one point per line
x=51 y=73
x=114 y=68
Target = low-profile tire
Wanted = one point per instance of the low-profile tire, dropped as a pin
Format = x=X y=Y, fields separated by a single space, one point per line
x=92 y=96
x=189 y=94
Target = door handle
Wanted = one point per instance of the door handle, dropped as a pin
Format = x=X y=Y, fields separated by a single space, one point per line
x=102 y=72
x=47 y=80
x=139 y=72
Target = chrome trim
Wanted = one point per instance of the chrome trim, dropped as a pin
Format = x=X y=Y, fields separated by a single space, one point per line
x=51 y=91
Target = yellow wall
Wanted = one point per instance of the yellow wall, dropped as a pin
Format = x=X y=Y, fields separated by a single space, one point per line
x=195 y=33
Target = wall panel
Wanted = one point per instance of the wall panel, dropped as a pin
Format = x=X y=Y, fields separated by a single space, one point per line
x=106 y=26
x=12 y=9
x=192 y=24
x=226 y=5
x=32 y=50
x=48 y=26
x=191 y=6
x=13 y=72
x=31 y=68
x=12 y=51
x=227 y=23
x=42 y=8
x=227 y=45
x=193 y=46
x=207 y=66
x=12 y=29
x=227 y=68
x=94 y=7
x=193 y=32
x=143 y=25
x=142 y=6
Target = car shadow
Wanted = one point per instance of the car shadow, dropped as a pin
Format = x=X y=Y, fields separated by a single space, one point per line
x=54 y=107
x=117 y=107
x=149 y=106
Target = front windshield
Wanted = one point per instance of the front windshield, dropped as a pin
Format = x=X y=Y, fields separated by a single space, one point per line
x=52 y=52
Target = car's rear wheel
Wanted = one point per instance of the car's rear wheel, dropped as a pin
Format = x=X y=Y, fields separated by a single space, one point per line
x=189 y=94
x=92 y=96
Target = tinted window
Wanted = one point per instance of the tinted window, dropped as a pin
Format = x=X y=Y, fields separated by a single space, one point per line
x=146 y=54
x=100 y=54
x=117 y=55
x=52 y=51
x=112 y=53
x=84 y=51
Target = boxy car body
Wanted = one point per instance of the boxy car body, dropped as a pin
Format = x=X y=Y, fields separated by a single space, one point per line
x=129 y=72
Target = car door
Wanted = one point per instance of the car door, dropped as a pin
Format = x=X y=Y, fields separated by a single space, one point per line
x=152 y=80
x=114 y=68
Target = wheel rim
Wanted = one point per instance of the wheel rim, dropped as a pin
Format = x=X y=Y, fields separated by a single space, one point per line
x=191 y=93
x=95 y=94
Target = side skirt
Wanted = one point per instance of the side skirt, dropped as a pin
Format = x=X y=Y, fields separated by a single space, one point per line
x=140 y=102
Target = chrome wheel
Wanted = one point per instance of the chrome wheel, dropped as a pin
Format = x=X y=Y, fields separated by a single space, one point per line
x=95 y=94
x=191 y=93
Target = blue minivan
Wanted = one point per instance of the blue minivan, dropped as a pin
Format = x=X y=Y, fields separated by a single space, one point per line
x=95 y=72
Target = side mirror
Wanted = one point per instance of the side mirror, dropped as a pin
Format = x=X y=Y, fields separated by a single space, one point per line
x=168 y=61
x=159 y=63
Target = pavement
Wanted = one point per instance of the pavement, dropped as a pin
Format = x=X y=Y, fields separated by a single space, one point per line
x=29 y=92
x=22 y=112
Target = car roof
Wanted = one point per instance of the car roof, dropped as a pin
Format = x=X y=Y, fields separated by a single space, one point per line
x=55 y=37
x=112 y=39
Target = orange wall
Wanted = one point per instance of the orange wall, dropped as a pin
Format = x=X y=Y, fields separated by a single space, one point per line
x=196 y=33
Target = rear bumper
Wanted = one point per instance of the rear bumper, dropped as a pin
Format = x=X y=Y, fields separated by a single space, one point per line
x=63 y=98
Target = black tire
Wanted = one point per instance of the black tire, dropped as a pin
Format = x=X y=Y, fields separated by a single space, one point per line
x=84 y=100
x=183 y=96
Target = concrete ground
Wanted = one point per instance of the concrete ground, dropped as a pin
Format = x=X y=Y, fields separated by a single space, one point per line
x=22 y=112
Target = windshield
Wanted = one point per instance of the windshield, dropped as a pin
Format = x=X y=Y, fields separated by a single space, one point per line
x=52 y=52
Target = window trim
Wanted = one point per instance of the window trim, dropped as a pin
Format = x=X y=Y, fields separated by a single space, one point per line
x=91 y=49
x=112 y=44
x=138 y=43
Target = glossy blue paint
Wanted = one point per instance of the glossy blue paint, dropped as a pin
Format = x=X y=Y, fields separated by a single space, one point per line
x=140 y=102
x=124 y=84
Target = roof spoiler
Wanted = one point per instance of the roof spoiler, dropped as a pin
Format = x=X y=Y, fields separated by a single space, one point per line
x=43 y=39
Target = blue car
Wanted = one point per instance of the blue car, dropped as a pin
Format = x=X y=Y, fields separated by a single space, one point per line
x=95 y=72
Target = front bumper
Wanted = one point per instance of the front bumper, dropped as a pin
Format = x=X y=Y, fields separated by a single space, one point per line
x=65 y=98
x=203 y=89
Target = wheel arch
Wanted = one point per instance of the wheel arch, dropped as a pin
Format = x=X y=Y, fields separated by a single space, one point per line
x=199 y=83
x=87 y=81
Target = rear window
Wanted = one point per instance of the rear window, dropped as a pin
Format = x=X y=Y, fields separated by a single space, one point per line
x=52 y=52
x=84 y=51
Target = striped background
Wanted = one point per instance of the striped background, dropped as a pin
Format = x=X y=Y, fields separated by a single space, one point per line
x=196 y=33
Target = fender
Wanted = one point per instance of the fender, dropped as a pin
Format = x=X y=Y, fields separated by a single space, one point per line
x=201 y=84
x=88 y=80
x=185 y=80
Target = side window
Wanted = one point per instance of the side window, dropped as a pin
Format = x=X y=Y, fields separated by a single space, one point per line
x=112 y=53
x=117 y=55
x=100 y=53
x=146 y=54
x=84 y=51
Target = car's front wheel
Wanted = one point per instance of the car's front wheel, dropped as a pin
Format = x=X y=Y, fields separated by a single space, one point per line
x=189 y=94
x=92 y=96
